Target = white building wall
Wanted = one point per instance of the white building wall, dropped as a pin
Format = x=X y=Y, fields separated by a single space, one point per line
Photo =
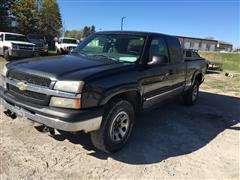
x=212 y=47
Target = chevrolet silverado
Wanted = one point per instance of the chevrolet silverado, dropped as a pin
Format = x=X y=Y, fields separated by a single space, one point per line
x=101 y=85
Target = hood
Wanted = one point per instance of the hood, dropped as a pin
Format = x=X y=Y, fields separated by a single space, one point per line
x=38 y=41
x=69 y=67
x=73 y=45
x=22 y=43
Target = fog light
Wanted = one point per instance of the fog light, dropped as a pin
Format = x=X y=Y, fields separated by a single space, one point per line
x=65 y=103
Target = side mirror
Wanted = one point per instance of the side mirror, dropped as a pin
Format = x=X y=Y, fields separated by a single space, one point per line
x=161 y=59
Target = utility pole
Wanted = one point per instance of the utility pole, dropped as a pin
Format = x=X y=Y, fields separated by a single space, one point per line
x=122 y=22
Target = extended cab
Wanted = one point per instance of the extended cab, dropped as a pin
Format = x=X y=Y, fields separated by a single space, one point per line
x=65 y=45
x=13 y=45
x=102 y=85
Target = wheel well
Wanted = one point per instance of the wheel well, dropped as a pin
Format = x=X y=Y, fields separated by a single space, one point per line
x=199 y=78
x=133 y=97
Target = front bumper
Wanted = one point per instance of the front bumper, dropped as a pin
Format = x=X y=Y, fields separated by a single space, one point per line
x=42 y=50
x=57 y=118
x=22 y=53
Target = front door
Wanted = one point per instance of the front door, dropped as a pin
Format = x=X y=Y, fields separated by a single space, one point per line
x=158 y=77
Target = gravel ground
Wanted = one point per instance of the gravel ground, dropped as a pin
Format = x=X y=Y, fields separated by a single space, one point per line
x=170 y=142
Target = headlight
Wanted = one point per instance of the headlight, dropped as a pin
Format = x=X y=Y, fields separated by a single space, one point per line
x=65 y=103
x=14 y=46
x=4 y=70
x=69 y=86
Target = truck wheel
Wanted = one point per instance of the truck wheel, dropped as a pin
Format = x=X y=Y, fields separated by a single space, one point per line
x=6 y=55
x=116 y=127
x=190 y=97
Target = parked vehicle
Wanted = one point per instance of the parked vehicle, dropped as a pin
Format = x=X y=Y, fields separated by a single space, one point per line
x=40 y=42
x=102 y=85
x=13 y=45
x=65 y=45
x=191 y=55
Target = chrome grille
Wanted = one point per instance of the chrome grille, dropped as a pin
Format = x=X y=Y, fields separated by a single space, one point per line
x=29 y=78
x=25 y=47
x=25 y=95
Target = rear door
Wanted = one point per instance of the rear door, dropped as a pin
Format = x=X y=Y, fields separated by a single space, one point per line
x=177 y=64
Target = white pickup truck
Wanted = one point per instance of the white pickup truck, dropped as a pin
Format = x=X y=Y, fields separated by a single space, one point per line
x=64 y=45
x=13 y=45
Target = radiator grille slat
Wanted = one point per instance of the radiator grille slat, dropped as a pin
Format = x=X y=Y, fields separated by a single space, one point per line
x=29 y=78
x=29 y=96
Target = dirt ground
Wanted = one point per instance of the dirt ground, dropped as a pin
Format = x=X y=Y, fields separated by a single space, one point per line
x=170 y=142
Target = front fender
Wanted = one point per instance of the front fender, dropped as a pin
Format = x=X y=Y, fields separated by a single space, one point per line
x=112 y=92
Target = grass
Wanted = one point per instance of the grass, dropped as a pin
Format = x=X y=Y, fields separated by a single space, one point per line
x=229 y=61
x=219 y=83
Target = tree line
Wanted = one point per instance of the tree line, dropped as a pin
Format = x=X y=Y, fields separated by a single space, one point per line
x=31 y=16
x=36 y=17
x=79 y=34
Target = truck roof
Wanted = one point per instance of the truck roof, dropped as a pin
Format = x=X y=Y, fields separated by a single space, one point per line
x=133 y=32
x=12 y=33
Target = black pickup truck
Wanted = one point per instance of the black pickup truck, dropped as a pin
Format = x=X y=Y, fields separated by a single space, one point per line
x=102 y=85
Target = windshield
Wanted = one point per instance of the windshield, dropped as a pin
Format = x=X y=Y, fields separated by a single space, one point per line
x=36 y=38
x=12 y=37
x=120 y=47
x=70 y=41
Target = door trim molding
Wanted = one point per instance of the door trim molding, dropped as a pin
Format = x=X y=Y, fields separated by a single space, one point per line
x=164 y=93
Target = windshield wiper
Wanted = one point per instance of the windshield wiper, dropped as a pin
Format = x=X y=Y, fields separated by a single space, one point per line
x=105 y=56
x=79 y=53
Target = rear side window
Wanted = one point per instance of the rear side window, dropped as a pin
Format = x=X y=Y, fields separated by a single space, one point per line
x=158 y=47
x=188 y=54
x=174 y=50
x=195 y=54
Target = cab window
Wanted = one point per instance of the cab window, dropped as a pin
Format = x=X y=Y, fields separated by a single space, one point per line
x=188 y=53
x=175 y=50
x=195 y=54
x=158 y=47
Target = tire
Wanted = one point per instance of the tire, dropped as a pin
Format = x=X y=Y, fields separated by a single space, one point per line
x=190 y=97
x=120 y=115
x=6 y=55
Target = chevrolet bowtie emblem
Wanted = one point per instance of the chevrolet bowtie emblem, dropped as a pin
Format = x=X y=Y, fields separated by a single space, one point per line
x=22 y=86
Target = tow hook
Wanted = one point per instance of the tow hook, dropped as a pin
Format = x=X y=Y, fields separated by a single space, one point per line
x=10 y=114
x=43 y=128
x=52 y=131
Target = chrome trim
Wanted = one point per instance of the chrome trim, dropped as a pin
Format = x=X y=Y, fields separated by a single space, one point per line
x=162 y=94
x=87 y=125
x=41 y=89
